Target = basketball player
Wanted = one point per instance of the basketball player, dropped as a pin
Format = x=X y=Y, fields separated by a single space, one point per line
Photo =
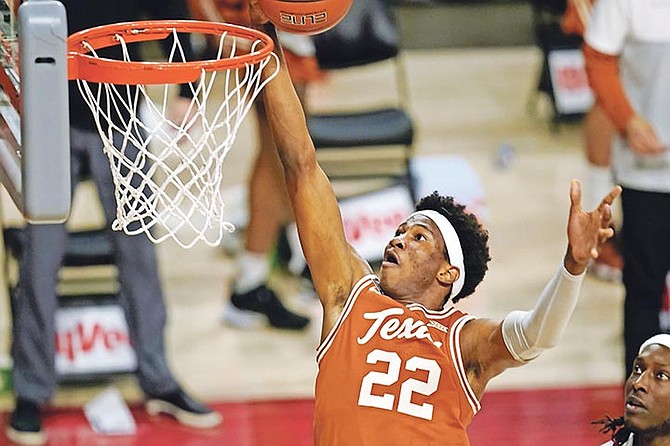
x=397 y=363
x=627 y=59
x=646 y=420
x=599 y=133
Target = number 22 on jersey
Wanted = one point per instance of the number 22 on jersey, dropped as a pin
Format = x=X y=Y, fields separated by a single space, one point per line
x=410 y=386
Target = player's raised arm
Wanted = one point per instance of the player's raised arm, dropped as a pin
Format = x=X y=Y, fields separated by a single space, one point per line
x=523 y=335
x=333 y=263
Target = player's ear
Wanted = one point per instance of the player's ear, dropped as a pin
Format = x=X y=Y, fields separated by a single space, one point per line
x=448 y=274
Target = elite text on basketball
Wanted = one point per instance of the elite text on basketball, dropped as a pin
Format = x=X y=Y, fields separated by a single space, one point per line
x=312 y=18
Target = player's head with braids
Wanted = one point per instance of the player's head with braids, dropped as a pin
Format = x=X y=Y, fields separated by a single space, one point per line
x=620 y=433
x=472 y=236
x=647 y=397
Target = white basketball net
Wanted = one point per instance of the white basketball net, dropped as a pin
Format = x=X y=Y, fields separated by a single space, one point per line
x=171 y=188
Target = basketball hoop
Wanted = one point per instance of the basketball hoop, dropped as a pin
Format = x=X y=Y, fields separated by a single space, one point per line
x=167 y=175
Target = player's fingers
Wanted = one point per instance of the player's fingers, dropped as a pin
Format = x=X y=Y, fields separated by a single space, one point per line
x=575 y=193
x=604 y=234
x=605 y=215
x=594 y=252
x=611 y=196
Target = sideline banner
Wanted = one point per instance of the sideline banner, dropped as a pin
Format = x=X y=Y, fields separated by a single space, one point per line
x=92 y=338
x=371 y=219
x=569 y=81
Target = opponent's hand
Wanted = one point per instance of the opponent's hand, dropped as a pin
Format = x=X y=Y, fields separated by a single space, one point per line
x=587 y=231
x=642 y=138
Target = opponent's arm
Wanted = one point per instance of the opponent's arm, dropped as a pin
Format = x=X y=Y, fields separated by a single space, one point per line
x=605 y=39
x=490 y=348
x=333 y=263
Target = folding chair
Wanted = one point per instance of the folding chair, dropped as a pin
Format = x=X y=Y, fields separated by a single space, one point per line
x=375 y=142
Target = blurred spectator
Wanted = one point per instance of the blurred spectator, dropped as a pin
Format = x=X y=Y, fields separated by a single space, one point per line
x=627 y=51
x=252 y=302
x=598 y=134
x=34 y=303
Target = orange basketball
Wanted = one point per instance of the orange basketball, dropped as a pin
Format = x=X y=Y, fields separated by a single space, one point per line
x=305 y=16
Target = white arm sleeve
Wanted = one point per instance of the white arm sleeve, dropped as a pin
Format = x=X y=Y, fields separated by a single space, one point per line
x=528 y=333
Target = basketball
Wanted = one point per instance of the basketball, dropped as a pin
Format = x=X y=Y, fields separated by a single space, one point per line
x=305 y=16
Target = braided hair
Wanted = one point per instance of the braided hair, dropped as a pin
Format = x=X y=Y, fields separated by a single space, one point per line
x=620 y=434
x=473 y=237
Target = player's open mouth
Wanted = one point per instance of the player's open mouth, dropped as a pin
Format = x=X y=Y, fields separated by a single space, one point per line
x=635 y=405
x=390 y=257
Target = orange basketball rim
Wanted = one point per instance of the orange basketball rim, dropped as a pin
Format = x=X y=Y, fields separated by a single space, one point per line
x=82 y=64
x=173 y=183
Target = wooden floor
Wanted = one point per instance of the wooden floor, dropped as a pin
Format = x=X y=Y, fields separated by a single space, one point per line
x=467 y=103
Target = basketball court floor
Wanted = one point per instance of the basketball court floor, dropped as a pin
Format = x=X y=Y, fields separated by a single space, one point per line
x=472 y=104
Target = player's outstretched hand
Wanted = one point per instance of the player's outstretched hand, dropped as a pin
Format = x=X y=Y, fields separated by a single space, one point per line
x=587 y=231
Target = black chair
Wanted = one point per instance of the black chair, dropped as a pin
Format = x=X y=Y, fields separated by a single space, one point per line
x=85 y=248
x=374 y=141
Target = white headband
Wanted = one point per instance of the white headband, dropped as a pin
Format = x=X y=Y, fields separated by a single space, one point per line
x=452 y=243
x=662 y=339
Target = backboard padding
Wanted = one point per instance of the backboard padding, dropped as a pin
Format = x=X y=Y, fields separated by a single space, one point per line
x=45 y=135
x=35 y=165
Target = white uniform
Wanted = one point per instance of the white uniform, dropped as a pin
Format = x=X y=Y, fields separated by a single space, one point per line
x=638 y=32
x=627 y=443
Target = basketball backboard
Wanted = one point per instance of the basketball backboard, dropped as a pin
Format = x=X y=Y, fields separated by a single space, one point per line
x=34 y=120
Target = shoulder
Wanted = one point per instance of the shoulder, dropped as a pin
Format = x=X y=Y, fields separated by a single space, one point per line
x=614 y=22
x=609 y=26
x=335 y=310
x=480 y=329
x=478 y=333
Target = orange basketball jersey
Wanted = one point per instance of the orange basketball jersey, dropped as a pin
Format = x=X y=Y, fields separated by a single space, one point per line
x=392 y=374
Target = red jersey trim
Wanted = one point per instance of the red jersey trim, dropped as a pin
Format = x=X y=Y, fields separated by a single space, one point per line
x=363 y=283
x=457 y=358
